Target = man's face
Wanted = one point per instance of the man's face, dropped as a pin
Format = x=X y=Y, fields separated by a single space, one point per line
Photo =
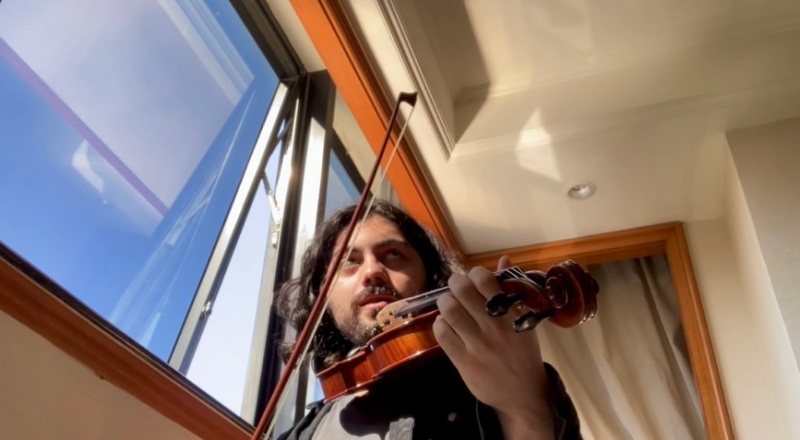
x=382 y=267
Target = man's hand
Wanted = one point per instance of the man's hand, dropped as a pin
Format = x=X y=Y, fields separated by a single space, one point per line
x=502 y=368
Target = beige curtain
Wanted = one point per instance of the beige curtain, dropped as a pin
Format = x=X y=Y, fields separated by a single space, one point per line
x=627 y=370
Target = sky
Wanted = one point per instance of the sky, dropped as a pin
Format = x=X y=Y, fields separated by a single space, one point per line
x=125 y=129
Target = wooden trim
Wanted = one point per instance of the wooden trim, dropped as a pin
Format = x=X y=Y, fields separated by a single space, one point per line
x=701 y=351
x=667 y=239
x=355 y=77
x=605 y=248
x=111 y=356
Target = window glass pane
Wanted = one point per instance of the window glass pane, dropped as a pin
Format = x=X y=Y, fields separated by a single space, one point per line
x=222 y=358
x=341 y=191
x=356 y=152
x=126 y=128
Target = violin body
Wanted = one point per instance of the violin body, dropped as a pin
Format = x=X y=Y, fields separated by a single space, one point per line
x=381 y=357
x=566 y=295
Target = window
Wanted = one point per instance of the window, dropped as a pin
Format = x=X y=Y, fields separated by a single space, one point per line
x=227 y=340
x=126 y=128
x=145 y=168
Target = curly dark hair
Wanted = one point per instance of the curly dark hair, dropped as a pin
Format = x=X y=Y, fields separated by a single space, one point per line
x=296 y=297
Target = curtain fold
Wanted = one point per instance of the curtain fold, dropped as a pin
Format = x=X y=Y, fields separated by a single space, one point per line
x=627 y=370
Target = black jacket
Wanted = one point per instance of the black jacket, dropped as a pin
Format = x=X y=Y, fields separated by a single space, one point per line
x=433 y=405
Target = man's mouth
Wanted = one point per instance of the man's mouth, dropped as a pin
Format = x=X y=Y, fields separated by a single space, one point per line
x=376 y=302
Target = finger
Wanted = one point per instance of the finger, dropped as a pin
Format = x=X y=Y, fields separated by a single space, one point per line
x=503 y=263
x=458 y=318
x=489 y=286
x=485 y=283
x=466 y=293
x=472 y=292
x=447 y=338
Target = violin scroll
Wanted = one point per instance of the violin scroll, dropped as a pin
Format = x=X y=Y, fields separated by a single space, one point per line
x=566 y=294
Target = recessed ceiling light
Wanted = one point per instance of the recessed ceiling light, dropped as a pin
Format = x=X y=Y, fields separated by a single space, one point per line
x=581 y=190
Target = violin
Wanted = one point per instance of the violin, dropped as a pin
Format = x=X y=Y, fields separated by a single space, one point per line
x=566 y=295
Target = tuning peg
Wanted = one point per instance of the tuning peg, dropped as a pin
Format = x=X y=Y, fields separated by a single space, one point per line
x=530 y=320
x=501 y=303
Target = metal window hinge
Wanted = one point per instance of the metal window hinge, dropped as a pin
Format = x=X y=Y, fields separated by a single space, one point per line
x=206 y=310
x=277 y=213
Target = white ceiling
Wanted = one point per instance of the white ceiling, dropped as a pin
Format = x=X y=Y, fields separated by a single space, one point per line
x=521 y=99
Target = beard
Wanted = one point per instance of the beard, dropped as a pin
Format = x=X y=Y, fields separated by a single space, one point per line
x=357 y=331
x=359 y=327
x=336 y=341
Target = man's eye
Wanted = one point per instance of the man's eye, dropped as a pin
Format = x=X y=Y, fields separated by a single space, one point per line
x=394 y=254
x=349 y=262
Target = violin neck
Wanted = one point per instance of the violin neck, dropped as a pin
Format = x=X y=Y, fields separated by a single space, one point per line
x=426 y=302
x=419 y=304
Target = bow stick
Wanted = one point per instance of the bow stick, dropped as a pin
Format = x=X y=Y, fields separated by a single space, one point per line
x=316 y=312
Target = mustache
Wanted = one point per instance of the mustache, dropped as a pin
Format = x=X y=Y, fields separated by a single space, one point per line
x=376 y=290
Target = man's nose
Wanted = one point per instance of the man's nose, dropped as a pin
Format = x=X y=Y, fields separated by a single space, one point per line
x=374 y=272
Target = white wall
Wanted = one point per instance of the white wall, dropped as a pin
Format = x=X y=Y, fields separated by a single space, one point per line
x=767 y=160
x=754 y=355
x=46 y=394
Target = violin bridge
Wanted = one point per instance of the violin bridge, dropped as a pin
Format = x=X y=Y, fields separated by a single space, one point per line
x=388 y=318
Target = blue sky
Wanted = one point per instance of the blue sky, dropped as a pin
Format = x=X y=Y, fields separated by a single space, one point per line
x=116 y=123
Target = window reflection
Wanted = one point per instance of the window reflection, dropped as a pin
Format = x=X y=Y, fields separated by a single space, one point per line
x=227 y=360
x=344 y=184
x=220 y=363
x=126 y=128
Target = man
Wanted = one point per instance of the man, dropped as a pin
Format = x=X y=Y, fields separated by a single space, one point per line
x=492 y=383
